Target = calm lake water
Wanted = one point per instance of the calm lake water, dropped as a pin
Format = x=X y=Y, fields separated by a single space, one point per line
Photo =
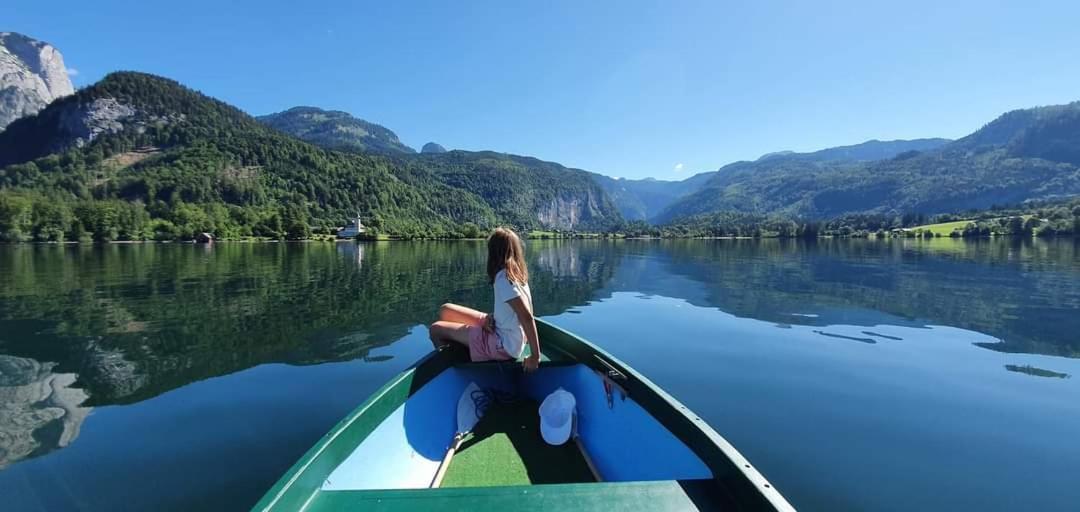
x=856 y=374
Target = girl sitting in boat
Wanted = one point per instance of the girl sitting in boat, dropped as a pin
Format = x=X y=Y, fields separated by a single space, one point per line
x=502 y=334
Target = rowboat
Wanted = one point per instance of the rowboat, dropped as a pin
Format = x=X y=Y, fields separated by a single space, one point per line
x=634 y=447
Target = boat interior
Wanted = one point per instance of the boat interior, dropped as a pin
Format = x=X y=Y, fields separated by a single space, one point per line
x=633 y=447
x=616 y=441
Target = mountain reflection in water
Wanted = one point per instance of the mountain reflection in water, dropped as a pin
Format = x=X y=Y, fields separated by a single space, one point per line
x=39 y=410
x=141 y=325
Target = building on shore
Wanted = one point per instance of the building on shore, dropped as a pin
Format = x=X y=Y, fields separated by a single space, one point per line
x=352 y=230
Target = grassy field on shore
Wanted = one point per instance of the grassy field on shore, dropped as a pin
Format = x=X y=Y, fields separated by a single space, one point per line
x=945 y=228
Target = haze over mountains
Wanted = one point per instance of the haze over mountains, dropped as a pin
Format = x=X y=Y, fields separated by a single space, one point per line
x=139 y=156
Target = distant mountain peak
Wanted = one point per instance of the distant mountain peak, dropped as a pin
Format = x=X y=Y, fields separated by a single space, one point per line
x=336 y=129
x=32 y=75
x=775 y=154
x=432 y=147
x=872 y=149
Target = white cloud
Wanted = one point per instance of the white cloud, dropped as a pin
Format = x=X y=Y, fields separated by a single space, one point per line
x=678 y=167
x=72 y=72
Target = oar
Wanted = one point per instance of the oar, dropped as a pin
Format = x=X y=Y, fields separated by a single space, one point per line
x=467 y=416
x=584 y=454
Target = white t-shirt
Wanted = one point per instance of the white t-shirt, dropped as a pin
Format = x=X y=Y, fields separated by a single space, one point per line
x=507 y=327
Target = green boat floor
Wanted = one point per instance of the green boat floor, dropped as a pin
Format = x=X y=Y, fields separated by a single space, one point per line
x=505 y=448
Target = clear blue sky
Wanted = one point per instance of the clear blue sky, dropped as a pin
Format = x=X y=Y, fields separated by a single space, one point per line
x=629 y=89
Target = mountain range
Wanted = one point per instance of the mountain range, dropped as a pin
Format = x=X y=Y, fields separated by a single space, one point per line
x=1021 y=156
x=1024 y=155
x=141 y=156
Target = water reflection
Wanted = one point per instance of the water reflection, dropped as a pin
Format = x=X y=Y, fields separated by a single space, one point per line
x=86 y=326
x=39 y=410
x=1025 y=293
x=929 y=421
x=134 y=321
x=353 y=252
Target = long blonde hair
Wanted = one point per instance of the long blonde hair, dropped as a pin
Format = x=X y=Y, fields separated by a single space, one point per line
x=505 y=252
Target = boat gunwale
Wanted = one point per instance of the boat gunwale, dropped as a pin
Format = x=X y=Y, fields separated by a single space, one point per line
x=431 y=361
x=635 y=383
x=730 y=468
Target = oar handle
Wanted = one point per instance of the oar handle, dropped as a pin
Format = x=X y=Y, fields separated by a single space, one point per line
x=445 y=464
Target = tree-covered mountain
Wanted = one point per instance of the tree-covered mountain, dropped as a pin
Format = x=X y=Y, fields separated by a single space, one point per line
x=1023 y=155
x=526 y=191
x=866 y=151
x=334 y=129
x=1051 y=133
x=141 y=157
x=138 y=156
x=523 y=191
x=648 y=198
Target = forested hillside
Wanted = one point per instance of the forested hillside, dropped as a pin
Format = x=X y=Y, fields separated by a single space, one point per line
x=863 y=152
x=523 y=191
x=648 y=199
x=137 y=156
x=1023 y=155
x=333 y=129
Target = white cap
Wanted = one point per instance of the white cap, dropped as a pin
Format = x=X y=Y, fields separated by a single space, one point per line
x=557 y=416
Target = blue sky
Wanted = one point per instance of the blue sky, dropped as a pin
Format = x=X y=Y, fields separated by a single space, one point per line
x=632 y=89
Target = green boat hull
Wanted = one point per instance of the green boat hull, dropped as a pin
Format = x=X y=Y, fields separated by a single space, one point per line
x=670 y=459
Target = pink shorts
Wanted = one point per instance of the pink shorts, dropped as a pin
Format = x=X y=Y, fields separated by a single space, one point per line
x=485 y=346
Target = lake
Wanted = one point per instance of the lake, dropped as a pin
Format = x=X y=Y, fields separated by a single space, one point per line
x=855 y=374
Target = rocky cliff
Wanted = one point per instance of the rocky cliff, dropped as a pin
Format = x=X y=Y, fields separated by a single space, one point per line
x=32 y=75
x=569 y=211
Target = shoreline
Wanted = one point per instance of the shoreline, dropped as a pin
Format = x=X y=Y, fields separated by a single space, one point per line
x=643 y=238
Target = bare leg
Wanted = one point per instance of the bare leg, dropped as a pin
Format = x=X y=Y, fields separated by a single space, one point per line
x=443 y=332
x=461 y=314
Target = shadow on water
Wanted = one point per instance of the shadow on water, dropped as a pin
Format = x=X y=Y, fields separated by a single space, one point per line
x=871 y=341
x=883 y=336
x=1035 y=372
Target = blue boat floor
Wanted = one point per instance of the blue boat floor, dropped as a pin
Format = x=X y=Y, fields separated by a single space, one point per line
x=505 y=449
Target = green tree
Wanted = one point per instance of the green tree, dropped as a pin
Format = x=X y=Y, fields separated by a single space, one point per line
x=16 y=219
